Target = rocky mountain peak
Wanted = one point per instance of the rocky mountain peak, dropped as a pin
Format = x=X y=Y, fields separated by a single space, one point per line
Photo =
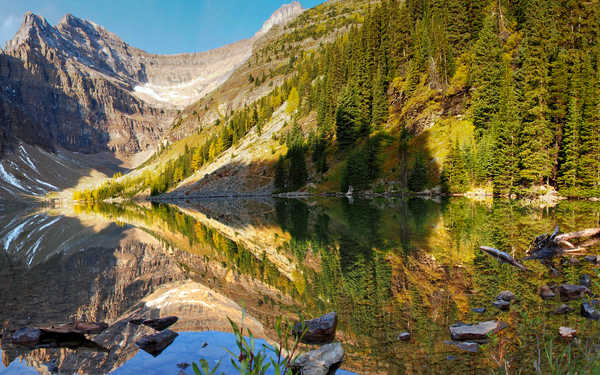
x=31 y=24
x=281 y=16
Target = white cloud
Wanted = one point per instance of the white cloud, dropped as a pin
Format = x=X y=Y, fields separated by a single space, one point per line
x=9 y=25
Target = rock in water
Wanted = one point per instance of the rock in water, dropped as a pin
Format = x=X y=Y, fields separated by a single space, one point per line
x=155 y=344
x=567 y=332
x=474 y=332
x=26 y=336
x=502 y=304
x=318 y=331
x=585 y=280
x=323 y=361
x=563 y=309
x=588 y=311
x=404 y=336
x=160 y=324
x=467 y=346
x=591 y=258
x=506 y=295
x=479 y=310
x=89 y=328
x=546 y=292
x=569 y=292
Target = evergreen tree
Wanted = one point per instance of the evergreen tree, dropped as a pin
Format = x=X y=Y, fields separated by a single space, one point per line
x=347 y=117
x=280 y=175
x=506 y=145
x=380 y=102
x=571 y=146
x=418 y=176
x=486 y=75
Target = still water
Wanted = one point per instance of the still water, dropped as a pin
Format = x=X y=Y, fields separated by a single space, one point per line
x=385 y=266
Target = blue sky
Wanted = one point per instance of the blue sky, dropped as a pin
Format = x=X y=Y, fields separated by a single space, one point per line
x=157 y=26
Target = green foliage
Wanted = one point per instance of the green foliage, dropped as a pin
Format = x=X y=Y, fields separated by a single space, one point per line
x=254 y=361
x=418 y=175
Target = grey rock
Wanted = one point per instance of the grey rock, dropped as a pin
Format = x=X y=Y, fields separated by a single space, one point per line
x=506 y=295
x=323 y=361
x=27 y=336
x=155 y=344
x=474 y=332
x=591 y=258
x=588 y=311
x=563 y=309
x=319 y=330
x=546 y=292
x=404 y=336
x=502 y=304
x=160 y=324
x=585 y=280
x=569 y=292
x=467 y=346
x=479 y=310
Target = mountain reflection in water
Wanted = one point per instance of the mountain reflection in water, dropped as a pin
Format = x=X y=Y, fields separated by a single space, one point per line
x=385 y=266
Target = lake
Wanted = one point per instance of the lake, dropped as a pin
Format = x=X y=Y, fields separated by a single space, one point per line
x=384 y=265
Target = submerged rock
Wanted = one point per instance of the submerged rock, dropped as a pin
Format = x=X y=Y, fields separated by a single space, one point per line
x=467 y=346
x=506 y=295
x=155 y=344
x=160 y=324
x=588 y=311
x=546 y=292
x=323 y=361
x=502 y=304
x=319 y=330
x=474 y=332
x=563 y=309
x=585 y=280
x=570 y=292
x=404 y=336
x=89 y=328
x=567 y=332
x=27 y=336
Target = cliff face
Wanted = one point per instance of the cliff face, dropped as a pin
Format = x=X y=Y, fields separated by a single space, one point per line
x=74 y=81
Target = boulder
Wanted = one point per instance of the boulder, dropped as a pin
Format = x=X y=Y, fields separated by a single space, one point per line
x=585 y=280
x=567 y=332
x=160 y=324
x=591 y=258
x=474 y=332
x=569 y=292
x=323 y=361
x=27 y=336
x=319 y=330
x=155 y=344
x=502 y=304
x=546 y=292
x=506 y=295
x=588 y=311
x=479 y=310
x=404 y=336
x=467 y=346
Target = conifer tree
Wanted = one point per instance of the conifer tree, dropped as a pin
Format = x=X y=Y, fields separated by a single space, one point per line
x=347 y=117
x=570 y=147
x=486 y=75
x=505 y=132
x=380 y=102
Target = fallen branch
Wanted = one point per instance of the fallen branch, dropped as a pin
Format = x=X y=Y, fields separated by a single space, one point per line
x=590 y=232
x=503 y=256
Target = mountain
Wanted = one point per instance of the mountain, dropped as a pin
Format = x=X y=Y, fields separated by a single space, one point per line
x=79 y=88
x=397 y=97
